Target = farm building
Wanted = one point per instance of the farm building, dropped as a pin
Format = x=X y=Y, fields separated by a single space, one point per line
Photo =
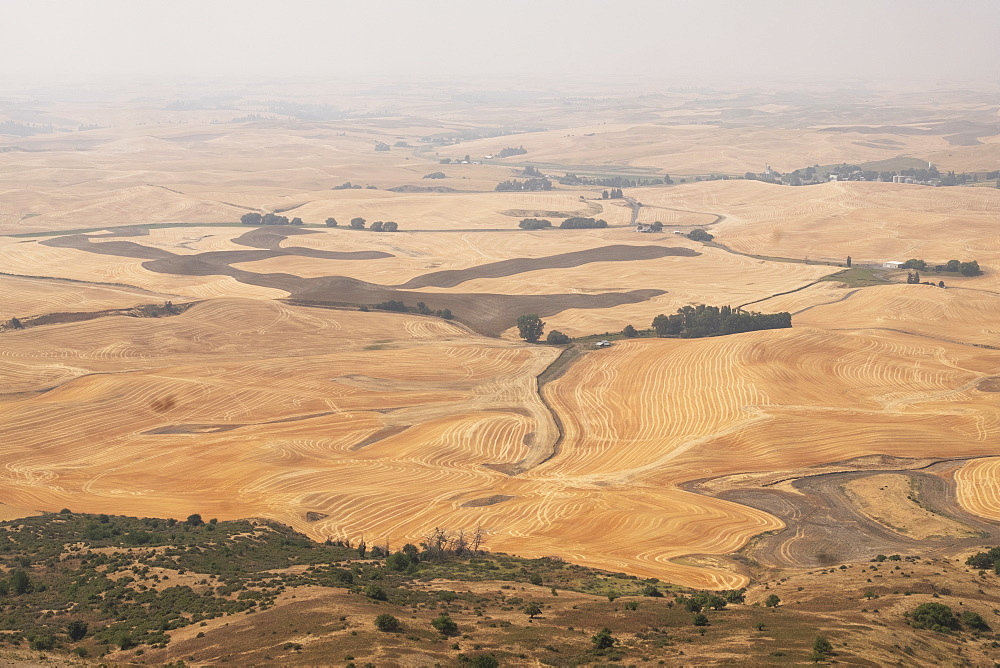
x=892 y=264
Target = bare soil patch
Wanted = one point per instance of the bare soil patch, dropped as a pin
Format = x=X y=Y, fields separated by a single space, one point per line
x=616 y=253
x=991 y=384
x=487 y=501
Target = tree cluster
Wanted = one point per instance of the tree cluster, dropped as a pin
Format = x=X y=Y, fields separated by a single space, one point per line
x=580 y=223
x=571 y=179
x=435 y=175
x=268 y=219
x=510 y=150
x=614 y=193
x=534 y=224
x=531 y=171
x=699 y=321
x=398 y=306
x=528 y=185
x=699 y=235
x=970 y=268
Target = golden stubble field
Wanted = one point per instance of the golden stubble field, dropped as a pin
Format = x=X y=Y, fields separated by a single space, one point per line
x=348 y=424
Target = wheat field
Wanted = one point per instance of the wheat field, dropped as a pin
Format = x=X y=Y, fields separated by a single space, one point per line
x=343 y=423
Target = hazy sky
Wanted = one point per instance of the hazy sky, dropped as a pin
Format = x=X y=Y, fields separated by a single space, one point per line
x=664 y=41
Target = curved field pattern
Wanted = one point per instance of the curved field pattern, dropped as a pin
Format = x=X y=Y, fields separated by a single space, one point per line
x=977 y=486
x=390 y=425
x=960 y=314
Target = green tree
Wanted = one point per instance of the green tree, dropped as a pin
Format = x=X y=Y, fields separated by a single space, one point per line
x=933 y=616
x=556 y=337
x=20 y=583
x=700 y=620
x=483 y=661
x=822 y=646
x=630 y=332
x=76 y=630
x=445 y=625
x=969 y=268
x=331 y=222
x=772 y=601
x=251 y=218
x=386 y=623
x=296 y=221
x=699 y=235
x=530 y=327
x=532 y=610
x=389 y=226
x=848 y=261
x=604 y=639
x=357 y=223
x=376 y=226
x=974 y=621
x=375 y=593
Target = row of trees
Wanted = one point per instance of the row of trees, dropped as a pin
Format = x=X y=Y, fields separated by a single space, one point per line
x=970 y=268
x=528 y=185
x=614 y=193
x=268 y=219
x=398 y=306
x=699 y=321
x=574 y=223
x=580 y=223
x=571 y=179
x=356 y=223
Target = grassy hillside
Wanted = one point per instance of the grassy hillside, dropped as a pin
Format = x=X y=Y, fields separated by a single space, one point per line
x=111 y=588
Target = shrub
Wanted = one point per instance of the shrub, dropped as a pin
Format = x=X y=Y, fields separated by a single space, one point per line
x=604 y=639
x=482 y=661
x=556 y=337
x=76 y=630
x=651 y=590
x=772 y=601
x=974 y=621
x=933 y=616
x=445 y=625
x=700 y=620
x=375 y=592
x=387 y=623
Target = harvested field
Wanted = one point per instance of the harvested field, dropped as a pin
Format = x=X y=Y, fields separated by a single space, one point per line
x=956 y=314
x=978 y=487
x=890 y=500
x=273 y=396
